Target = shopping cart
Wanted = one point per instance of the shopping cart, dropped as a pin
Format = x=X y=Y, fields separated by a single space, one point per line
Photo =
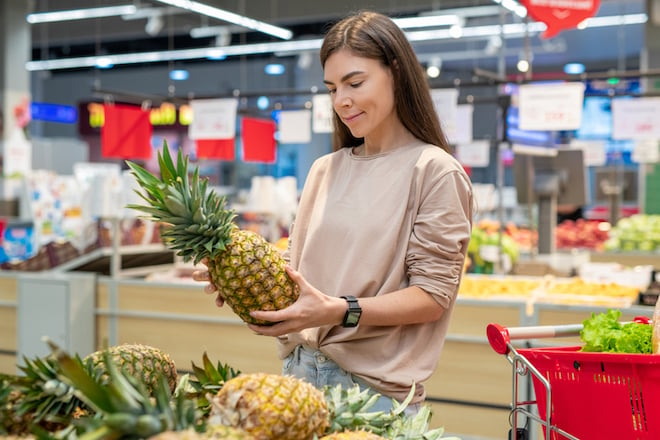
x=580 y=395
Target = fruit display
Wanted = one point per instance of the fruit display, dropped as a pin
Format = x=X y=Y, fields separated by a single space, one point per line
x=247 y=270
x=582 y=234
x=484 y=248
x=113 y=401
x=492 y=287
x=578 y=291
x=569 y=234
x=639 y=232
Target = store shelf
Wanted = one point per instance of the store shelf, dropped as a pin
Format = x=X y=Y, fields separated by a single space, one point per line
x=133 y=260
x=627 y=258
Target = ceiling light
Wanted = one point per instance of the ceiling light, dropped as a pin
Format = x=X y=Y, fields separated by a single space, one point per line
x=179 y=75
x=216 y=54
x=175 y=55
x=511 y=30
x=104 y=63
x=80 y=14
x=615 y=20
x=231 y=17
x=456 y=31
x=494 y=45
x=574 y=68
x=433 y=71
x=305 y=60
x=274 y=69
x=426 y=21
x=262 y=102
x=513 y=6
x=154 y=25
x=434 y=66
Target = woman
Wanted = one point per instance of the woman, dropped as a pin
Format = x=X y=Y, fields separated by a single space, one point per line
x=385 y=218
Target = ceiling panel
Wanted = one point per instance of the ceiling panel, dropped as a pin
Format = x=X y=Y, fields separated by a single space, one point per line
x=618 y=46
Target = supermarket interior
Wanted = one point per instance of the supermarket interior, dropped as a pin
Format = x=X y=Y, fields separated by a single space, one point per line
x=550 y=107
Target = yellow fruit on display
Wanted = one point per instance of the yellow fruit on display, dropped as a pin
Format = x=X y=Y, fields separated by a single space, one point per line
x=271 y=406
x=353 y=435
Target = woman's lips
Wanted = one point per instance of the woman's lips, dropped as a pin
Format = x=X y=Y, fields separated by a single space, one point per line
x=349 y=119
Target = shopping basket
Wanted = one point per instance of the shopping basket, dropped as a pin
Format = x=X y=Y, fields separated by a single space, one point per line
x=582 y=395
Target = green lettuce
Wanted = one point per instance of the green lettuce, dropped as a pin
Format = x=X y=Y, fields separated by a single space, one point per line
x=604 y=333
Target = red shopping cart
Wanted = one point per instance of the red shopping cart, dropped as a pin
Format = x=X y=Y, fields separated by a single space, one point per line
x=581 y=395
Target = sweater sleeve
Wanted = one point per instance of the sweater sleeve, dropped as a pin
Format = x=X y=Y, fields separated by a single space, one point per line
x=440 y=236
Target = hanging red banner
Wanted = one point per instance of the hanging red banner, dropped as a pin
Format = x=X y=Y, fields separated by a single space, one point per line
x=126 y=133
x=219 y=149
x=559 y=15
x=259 y=143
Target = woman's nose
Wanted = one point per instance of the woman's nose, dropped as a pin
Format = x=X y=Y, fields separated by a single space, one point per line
x=342 y=99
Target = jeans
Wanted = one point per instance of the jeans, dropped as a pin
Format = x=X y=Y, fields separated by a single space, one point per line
x=319 y=370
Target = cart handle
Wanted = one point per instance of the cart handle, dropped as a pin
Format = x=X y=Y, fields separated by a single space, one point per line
x=499 y=337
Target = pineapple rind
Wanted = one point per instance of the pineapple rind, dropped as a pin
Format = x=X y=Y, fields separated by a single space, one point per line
x=246 y=283
x=271 y=406
x=143 y=362
x=353 y=435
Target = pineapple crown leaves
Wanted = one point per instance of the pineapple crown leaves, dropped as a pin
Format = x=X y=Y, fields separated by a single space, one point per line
x=213 y=374
x=209 y=379
x=45 y=395
x=349 y=409
x=198 y=224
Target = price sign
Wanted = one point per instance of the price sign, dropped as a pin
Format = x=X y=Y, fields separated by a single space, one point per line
x=551 y=107
x=636 y=118
x=213 y=119
x=475 y=154
x=646 y=151
x=594 y=152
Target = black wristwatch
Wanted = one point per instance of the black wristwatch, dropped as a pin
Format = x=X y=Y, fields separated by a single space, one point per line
x=352 y=316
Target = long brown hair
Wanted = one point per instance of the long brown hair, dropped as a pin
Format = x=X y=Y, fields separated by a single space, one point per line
x=373 y=35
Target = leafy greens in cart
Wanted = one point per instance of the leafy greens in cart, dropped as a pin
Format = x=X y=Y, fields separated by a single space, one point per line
x=604 y=333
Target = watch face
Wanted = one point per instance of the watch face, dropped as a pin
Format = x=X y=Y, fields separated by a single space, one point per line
x=352 y=319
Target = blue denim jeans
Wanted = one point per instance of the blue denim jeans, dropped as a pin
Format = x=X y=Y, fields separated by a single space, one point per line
x=319 y=370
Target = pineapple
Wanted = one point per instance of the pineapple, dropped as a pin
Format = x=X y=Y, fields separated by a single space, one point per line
x=247 y=270
x=270 y=407
x=213 y=432
x=122 y=405
x=144 y=362
x=352 y=435
x=39 y=399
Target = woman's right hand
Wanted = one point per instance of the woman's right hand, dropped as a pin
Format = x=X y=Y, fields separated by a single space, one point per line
x=210 y=288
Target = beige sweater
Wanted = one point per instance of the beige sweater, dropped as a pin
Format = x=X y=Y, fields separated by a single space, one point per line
x=368 y=226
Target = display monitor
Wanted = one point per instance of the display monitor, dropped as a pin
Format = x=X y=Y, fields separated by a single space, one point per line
x=549 y=177
x=609 y=181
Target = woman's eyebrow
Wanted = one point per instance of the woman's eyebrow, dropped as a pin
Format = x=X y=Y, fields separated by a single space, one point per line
x=345 y=77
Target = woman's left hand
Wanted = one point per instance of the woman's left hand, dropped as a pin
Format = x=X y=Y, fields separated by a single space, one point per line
x=313 y=308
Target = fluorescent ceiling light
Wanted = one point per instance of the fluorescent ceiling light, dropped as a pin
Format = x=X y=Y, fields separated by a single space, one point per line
x=174 y=55
x=615 y=20
x=426 y=21
x=80 y=14
x=230 y=17
x=513 y=6
x=508 y=30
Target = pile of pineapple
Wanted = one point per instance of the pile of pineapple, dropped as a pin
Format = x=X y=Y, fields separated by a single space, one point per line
x=134 y=392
